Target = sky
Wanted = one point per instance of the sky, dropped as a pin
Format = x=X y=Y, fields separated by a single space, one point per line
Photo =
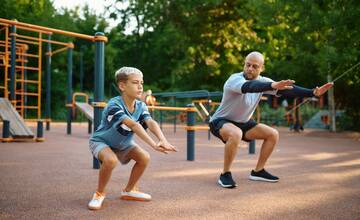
x=98 y=6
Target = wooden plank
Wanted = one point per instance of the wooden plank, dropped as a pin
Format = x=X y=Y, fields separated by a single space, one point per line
x=87 y=109
x=18 y=128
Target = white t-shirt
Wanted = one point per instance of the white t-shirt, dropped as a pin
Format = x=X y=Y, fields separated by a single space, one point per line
x=235 y=105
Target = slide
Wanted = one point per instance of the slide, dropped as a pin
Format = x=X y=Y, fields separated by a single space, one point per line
x=87 y=109
x=18 y=128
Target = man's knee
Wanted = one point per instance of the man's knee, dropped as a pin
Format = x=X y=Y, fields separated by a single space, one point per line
x=274 y=135
x=235 y=136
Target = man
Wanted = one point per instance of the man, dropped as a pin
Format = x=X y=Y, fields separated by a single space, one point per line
x=232 y=120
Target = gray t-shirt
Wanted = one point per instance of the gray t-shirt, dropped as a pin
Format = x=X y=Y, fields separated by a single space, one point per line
x=235 y=105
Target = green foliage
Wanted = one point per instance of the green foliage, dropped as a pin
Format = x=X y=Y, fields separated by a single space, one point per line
x=191 y=45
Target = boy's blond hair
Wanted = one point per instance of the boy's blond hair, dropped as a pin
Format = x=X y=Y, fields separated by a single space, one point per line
x=122 y=74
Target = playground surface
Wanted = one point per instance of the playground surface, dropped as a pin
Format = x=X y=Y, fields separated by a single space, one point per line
x=319 y=179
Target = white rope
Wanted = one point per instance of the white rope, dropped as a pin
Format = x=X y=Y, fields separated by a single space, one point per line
x=347 y=71
x=305 y=101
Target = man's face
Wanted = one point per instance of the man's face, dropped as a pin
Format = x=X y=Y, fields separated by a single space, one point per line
x=133 y=87
x=253 y=67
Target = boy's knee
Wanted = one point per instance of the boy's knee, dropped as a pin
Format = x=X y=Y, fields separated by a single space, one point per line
x=145 y=158
x=110 y=162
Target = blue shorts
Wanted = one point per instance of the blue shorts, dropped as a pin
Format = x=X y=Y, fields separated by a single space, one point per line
x=217 y=124
x=96 y=147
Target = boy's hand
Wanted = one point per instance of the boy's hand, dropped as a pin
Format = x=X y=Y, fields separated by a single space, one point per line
x=320 y=91
x=164 y=147
x=283 y=84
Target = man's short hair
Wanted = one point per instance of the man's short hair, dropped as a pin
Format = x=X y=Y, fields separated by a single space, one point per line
x=122 y=74
x=256 y=54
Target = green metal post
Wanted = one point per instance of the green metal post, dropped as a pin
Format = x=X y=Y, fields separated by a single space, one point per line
x=40 y=131
x=175 y=113
x=81 y=63
x=252 y=147
x=99 y=83
x=69 y=88
x=89 y=121
x=190 y=135
x=331 y=101
x=161 y=119
x=6 y=129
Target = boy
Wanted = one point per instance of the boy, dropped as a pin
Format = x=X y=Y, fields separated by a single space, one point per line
x=113 y=140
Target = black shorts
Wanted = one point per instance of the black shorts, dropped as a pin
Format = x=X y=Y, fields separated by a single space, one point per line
x=217 y=124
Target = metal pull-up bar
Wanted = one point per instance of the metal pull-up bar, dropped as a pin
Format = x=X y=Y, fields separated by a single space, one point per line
x=53 y=30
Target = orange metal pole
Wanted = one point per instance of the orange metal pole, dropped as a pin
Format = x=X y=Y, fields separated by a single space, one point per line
x=31 y=55
x=28 y=81
x=27 y=29
x=26 y=37
x=6 y=61
x=27 y=41
x=27 y=68
x=28 y=93
x=42 y=40
x=58 y=51
x=55 y=42
x=39 y=76
x=171 y=108
x=31 y=107
x=53 y=30
x=2 y=43
x=22 y=58
x=196 y=128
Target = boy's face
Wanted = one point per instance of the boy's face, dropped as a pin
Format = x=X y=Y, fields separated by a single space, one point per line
x=133 y=87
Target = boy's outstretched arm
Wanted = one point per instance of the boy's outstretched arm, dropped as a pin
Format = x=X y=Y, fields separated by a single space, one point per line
x=155 y=129
x=140 y=131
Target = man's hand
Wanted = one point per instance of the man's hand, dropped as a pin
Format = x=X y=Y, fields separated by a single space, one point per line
x=320 y=91
x=283 y=84
x=164 y=147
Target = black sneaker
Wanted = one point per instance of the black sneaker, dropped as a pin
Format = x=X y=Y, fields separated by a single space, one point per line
x=226 y=180
x=263 y=175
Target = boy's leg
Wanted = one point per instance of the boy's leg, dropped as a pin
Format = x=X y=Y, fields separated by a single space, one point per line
x=270 y=137
x=142 y=159
x=109 y=161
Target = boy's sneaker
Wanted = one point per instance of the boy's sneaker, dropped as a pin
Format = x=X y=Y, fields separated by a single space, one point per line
x=135 y=195
x=226 y=180
x=97 y=201
x=263 y=175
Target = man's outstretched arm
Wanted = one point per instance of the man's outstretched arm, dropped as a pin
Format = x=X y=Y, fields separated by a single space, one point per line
x=300 y=92
x=296 y=92
x=254 y=86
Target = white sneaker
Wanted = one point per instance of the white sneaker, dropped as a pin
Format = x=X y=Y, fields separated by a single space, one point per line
x=135 y=195
x=96 y=202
